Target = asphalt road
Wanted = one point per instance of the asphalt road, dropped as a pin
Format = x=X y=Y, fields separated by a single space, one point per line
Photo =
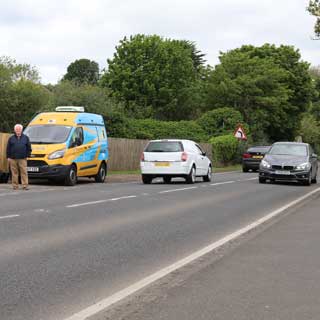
x=64 y=249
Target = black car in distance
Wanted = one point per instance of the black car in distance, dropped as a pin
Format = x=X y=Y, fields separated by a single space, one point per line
x=252 y=157
x=289 y=161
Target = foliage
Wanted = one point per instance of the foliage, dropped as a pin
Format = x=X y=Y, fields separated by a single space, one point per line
x=269 y=85
x=310 y=131
x=224 y=148
x=220 y=121
x=83 y=71
x=314 y=9
x=93 y=98
x=160 y=75
x=155 y=129
x=21 y=96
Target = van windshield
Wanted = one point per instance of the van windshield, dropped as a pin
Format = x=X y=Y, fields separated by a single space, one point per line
x=47 y=134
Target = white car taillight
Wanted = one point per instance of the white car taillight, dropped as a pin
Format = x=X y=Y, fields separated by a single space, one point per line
x=142 y=156
x=184 y=156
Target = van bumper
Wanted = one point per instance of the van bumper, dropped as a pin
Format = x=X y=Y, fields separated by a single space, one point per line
x=50 y=172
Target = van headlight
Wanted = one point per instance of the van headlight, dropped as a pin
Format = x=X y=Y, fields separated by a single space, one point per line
x=265 y=164
x=57 y=154
x=304 y=166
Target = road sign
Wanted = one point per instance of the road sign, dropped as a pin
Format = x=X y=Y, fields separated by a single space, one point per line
x=240 y=134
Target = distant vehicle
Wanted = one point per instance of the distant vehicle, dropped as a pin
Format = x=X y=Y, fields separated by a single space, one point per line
x=67 y=144
x=289 y=161
x=252 y=157
x=174 y=158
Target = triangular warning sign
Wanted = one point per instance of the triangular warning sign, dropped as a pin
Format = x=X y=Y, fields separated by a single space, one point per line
x=240 y=134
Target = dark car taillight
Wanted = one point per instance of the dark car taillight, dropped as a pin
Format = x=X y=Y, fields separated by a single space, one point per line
x=246 y=156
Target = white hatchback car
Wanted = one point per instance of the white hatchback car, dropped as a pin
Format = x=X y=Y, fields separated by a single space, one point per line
x=174 y=158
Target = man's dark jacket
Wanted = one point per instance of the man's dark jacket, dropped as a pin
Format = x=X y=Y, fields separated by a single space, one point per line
x=18 y=147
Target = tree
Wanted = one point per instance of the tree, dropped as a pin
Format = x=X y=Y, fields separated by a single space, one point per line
x=21 y=94
x=158 y=75
x=314 y=9
x=310 y=130
x=269 y=85
x=83 y=71
x=94 y=98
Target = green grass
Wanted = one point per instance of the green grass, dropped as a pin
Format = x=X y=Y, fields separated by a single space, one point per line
x=236 y=167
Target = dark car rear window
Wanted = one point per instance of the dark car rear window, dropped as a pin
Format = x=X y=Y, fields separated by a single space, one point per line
x=259 y=149
x=164 y=146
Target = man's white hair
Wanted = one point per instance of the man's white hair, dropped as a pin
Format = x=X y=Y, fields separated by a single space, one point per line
x=18 y=125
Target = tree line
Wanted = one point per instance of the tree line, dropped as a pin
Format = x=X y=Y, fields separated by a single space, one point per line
x=155 y=87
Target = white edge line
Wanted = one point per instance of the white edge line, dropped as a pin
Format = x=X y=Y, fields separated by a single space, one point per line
x=98 y=201
x=181 y=189
x=220 y=183
x=11 y=216
x=122 y=294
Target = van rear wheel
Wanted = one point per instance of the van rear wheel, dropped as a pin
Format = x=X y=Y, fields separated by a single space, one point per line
x=100 y=177
x=71 y=178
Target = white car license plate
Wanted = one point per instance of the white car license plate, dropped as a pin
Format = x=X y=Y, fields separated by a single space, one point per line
x=162 y=164
x=33 y=169
x=284 y=172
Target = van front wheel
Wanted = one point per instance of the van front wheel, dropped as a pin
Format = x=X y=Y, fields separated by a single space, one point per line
x=71 y=178
x=100 y=177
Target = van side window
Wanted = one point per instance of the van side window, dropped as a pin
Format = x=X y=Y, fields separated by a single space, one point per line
x=77 y=137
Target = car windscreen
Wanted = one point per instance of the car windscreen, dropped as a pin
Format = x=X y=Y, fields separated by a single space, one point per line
x=259 y=149
x=289 y=149
x=164 y=146
x=47 y=134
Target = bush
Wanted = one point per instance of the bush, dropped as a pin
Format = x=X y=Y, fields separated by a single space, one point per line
x=220 y=121
x=155 y=129
x=224 y=149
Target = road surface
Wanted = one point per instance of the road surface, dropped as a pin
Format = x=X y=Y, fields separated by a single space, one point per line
x=63 y=249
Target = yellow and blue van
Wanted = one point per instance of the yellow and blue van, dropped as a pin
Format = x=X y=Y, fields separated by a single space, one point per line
x=68 y=144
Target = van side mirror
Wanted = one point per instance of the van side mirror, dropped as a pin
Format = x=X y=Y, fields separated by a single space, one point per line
x=314 y=156
x=204 y=153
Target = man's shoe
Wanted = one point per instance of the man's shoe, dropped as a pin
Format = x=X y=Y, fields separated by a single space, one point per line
x=25 y=188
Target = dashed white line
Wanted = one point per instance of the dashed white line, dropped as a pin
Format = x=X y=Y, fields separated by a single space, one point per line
x=175 y=190
x=126 y=292
x=98 y=201
x=10 y=216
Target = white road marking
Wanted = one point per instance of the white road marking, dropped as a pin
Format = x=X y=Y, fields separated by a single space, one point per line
x=122 y=294
x=10 y=216
x=227 y=172
x=180 y=189
x=98 y=201
x=256 y=178
x=221 y=183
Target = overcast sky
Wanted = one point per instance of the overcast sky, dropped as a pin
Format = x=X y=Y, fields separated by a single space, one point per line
x=50 y=34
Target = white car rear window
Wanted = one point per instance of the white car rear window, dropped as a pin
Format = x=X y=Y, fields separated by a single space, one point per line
x=164 y=146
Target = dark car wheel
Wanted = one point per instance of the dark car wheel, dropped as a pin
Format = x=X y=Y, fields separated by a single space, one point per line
x=100 y=177
x=308 y=181
x=262 y=180
x=167 y=179
x=314 y=180
x=146 y=179
x=245 y=169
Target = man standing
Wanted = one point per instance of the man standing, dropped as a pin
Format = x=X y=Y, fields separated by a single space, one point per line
x=18 y=150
